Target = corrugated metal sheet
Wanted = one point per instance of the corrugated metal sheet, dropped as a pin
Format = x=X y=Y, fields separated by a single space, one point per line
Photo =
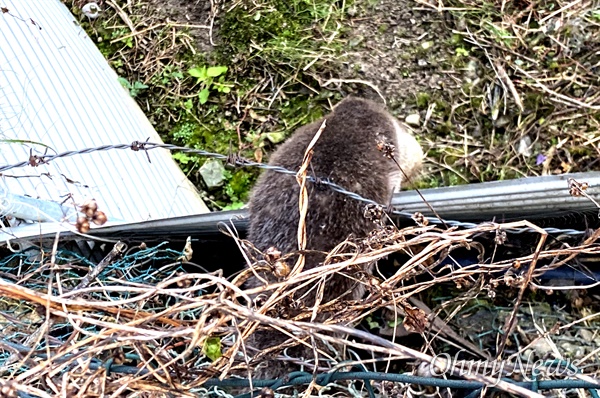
x=57 y=89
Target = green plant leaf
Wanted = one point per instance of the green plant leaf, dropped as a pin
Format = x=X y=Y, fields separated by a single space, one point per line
x=203 y=96
x=462 y=52
x=372 y=324
x=182 y=157
x=234 y=206
x=275 y=138
x=212 y=348
x=394 y=323
x=226 y=89
x=200 y=73
x=124 y=82
x=215 y=71
x=139 y=85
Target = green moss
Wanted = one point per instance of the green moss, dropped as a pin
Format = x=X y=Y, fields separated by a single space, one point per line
x=282 y=33
x=456 y=40
x=288 y=40
x=272 y=38
x=239 y=184
x=423 y=100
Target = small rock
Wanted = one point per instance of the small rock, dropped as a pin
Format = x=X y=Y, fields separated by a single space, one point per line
x=363 y=67
x=586 y=335
x=355 y=41
x=413 y=120
x=213 y=173
x=426 y=45
x=542 y=347
x=502 y=121
x=352 y=11
x=422 y=62
x=572 y=350
x=525 y=146
x=91 y=10
x=472 y=70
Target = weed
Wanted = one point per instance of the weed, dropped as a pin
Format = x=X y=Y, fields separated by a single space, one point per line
x=206 y=80
x=169 y=75
x=423 y=100
x=134 y=89
x=462 y=52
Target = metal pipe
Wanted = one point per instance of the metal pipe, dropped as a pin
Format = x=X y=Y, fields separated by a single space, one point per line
x=524 y=197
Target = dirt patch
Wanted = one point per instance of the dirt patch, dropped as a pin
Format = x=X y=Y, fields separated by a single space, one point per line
x=395 y=49
x=399 y=50
x=198 y=16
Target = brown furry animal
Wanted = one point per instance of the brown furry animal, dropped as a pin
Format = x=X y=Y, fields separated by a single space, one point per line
x=346 y=154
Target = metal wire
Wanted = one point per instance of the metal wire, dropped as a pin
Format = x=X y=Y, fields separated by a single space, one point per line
x=301 y=378
x=36 y=160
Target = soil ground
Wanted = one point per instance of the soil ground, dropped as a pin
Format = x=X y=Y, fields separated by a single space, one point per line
x=191 y=13
x=390 y=53
x=381 y=37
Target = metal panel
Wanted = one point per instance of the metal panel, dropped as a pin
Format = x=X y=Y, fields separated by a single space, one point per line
x=56 y=88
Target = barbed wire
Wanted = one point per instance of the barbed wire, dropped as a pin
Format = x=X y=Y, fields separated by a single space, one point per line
x=237 y=161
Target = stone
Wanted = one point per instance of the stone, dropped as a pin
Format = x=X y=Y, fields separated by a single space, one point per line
x=213 y=173
x=413 y=120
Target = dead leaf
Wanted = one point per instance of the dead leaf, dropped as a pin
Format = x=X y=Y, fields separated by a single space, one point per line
x=415 y=320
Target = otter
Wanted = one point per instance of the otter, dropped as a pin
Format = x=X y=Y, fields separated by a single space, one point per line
x=348 y=153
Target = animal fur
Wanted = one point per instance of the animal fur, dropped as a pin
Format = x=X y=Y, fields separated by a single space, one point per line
x=346 y=154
